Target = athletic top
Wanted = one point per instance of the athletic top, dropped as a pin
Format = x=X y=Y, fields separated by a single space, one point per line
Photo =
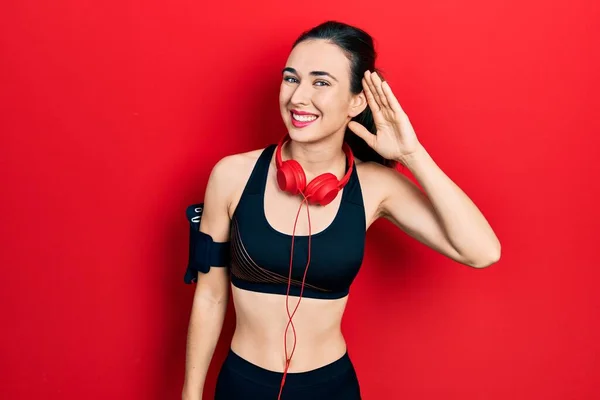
x=260 y=255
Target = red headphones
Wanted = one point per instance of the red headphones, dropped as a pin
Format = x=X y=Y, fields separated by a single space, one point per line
x=322 y=189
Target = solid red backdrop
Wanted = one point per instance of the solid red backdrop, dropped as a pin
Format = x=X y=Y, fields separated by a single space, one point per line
x=114 y=113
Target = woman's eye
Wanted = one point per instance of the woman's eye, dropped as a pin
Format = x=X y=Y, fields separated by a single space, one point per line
x=291 y=79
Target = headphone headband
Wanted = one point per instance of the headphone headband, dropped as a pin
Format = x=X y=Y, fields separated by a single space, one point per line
x=345 y=147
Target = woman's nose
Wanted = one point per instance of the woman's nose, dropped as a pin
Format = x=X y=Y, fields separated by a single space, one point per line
x=301 y=95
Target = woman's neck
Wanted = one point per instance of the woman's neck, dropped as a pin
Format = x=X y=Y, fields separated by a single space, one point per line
x=316 y=158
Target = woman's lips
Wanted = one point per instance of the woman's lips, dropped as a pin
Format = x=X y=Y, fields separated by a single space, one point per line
x=300 y=119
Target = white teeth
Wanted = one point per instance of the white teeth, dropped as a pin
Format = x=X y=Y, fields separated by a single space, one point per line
x=304 y=118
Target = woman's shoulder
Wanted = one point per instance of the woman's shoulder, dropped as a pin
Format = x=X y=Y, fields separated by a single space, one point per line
x=231 y=173
x=369 y=170
x=233 y=162
x=375 y=180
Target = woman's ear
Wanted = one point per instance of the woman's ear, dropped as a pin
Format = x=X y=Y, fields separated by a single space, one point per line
x=357 y=104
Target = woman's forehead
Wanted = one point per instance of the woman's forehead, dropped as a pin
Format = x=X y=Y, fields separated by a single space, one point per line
x=318 y=55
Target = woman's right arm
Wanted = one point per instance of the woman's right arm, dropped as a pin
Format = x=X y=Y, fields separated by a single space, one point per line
x=212 y=289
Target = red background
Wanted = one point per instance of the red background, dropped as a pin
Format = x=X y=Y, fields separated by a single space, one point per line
x=114 y=113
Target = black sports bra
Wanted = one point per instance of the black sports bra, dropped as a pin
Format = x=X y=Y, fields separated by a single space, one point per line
x=260 y=255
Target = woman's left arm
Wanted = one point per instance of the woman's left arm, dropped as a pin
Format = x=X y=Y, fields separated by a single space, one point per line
x=443 y=217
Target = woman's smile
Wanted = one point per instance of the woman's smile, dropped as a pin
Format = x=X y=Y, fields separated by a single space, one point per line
x=300 y=119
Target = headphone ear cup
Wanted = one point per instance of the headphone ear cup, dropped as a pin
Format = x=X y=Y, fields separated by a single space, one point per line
x=323 y=189
x=290 y=177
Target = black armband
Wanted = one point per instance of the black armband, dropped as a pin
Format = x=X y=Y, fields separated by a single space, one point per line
x=203 y=251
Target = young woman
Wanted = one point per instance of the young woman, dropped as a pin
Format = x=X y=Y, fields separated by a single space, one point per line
x=345 y=128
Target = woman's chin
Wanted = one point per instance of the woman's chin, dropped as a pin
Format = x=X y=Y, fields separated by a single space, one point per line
x=302 y=135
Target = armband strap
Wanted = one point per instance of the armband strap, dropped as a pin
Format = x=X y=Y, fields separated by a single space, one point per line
x=203 y=251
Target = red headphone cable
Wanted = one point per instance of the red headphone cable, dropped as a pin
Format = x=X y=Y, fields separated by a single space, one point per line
x=290 y=322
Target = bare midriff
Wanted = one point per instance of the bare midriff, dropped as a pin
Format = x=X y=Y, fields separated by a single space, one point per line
x=261 y=319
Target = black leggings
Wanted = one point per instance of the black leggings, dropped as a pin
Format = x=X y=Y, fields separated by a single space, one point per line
x=240 y=379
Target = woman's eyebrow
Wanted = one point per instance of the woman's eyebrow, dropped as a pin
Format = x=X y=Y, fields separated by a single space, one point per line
x=313 y=73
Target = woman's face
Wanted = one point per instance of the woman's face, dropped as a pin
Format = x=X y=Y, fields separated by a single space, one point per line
x=314 y=98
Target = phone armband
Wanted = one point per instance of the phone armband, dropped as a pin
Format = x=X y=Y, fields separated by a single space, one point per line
x=204 y=252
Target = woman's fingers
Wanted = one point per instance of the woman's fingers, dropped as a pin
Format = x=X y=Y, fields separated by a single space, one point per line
x=376 y=80
x=393 y=102
x=373 y=103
